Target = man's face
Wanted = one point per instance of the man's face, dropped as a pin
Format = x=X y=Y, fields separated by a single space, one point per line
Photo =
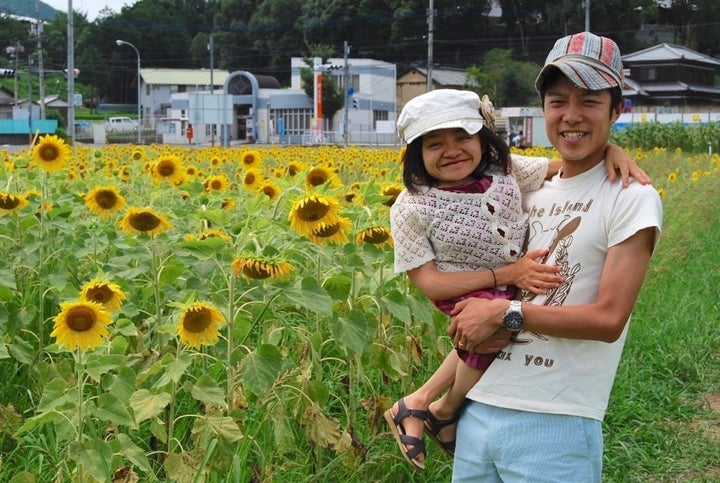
x=578 y=124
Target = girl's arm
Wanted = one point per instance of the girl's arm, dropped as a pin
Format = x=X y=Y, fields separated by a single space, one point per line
x=526 y=273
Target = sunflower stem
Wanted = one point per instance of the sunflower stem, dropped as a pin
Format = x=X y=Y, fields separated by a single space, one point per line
x=80 y=375
x=231 y=327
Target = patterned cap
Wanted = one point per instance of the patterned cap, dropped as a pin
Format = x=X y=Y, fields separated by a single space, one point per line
x=587 y=60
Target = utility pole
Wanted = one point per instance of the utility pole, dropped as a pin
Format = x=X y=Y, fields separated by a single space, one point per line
x=212 y=85
x=346 y=86
x=431 y=17
x=587 y=15
x=41 y=74
x=71 y=77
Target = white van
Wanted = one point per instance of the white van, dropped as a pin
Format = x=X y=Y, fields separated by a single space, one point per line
x=120 y=123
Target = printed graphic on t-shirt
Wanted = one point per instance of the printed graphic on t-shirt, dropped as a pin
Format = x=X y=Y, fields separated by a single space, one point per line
x=561 y=242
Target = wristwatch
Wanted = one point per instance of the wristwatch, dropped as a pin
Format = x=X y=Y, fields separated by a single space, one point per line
x=513 y=318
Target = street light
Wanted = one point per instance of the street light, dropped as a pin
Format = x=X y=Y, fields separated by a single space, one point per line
x=139 y=132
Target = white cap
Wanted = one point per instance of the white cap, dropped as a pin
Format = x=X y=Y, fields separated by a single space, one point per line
x=440 y=109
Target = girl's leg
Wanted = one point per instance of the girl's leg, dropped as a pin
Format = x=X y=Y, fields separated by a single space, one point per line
x=448 y=407
x=420 y=399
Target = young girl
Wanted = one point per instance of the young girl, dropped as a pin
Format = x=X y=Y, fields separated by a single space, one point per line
x=458 y=230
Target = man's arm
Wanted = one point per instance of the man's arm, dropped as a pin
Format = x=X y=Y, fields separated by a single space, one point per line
x=625 y=267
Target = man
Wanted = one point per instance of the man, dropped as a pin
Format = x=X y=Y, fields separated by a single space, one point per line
x=536 y=414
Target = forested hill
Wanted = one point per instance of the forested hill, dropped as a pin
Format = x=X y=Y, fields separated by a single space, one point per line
x=26 y=8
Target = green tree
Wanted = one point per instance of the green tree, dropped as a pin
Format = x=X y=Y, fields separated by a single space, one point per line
x=333 y=98
x=506 y=81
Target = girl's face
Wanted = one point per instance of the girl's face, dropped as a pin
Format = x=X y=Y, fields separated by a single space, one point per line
x=451 y=155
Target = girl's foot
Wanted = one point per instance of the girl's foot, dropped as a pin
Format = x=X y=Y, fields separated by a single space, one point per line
x=407 y=425
x=442 y=431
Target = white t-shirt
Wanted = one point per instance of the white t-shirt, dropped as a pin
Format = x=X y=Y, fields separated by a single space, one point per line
x=569 y=376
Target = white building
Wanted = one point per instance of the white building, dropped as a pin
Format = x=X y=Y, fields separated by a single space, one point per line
x=243 y=107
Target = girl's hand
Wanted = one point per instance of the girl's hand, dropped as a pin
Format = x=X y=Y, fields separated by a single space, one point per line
x=617 y=160
x=531 y=273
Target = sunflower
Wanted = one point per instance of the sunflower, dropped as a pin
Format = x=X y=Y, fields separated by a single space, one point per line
x=227 y=204
x=144 y=220
x=103 y=292
x=270 y=189
x=318 y=176
x=10 y=203
x=311 y=212
x=259 y=269
x=294 y=167
x=251 y=159
x=216 y=183
x=253 y=179
x=137 y=154
x=50 y=153
x=198 y=324
x=81 y=324
x=392 y=192
x=170 y=168
x=125 y=173
x=377 y=235
x=331 y=232
x=104 y=201
x=214 y=233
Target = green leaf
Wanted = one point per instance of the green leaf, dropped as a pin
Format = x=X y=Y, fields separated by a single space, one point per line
x=338 y=286
x=260 y=369
x=223 y=427
x=54 y=396
x=147 y=405
x=133 y=452
x=206 y=390
x=174 y=369
x=394 y=302
x=4 y=354
x=171 y=270
x=111 y=409
x=353 y=331
x=95 y=457
x=206 y=248
x=311 y=296
x=99 y=364
x=22 y=351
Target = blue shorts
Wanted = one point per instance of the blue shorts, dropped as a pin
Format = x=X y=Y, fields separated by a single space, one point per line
x=505 y=445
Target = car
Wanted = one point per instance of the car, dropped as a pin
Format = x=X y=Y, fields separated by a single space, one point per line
x=120 y=123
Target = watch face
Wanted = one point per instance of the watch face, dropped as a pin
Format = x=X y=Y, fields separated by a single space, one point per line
x=513 y=320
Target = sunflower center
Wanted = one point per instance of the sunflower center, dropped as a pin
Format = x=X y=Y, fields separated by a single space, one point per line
x=313 y=210
x=9 y=202
x=197 y=320
x=81 y=319
x=326 y=231
x=49 y=153
x=144 y=221
x=376 y=236
x=166 y=169
x=106 y=199
x=100 y=294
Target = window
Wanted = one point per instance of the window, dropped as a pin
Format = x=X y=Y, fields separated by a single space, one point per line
x=295 y=121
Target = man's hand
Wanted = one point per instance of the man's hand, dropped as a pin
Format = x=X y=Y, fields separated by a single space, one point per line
x=476 y=325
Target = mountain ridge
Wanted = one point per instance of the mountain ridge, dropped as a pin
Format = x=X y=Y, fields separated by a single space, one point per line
x=25 y=8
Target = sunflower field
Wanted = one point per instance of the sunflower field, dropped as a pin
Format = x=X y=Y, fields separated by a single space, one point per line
x=215 y=314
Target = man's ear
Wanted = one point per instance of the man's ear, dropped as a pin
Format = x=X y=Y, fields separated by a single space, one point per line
x=615 y=115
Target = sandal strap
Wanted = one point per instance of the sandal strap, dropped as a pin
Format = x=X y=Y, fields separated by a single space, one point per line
x=405 y=412
x=418 y=445
x=435 y=425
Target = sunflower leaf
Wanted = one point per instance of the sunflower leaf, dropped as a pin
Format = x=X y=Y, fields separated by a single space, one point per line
x=147 y=405
x=311 y=296
x=353 y=331
x=224 y=427
x=394 y=302
x=206 y=390
x=134 y=453
x=260 y=368
x=111 y=409
x=99 y=364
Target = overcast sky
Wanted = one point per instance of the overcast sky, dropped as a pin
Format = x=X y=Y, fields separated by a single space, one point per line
x=91 y=8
